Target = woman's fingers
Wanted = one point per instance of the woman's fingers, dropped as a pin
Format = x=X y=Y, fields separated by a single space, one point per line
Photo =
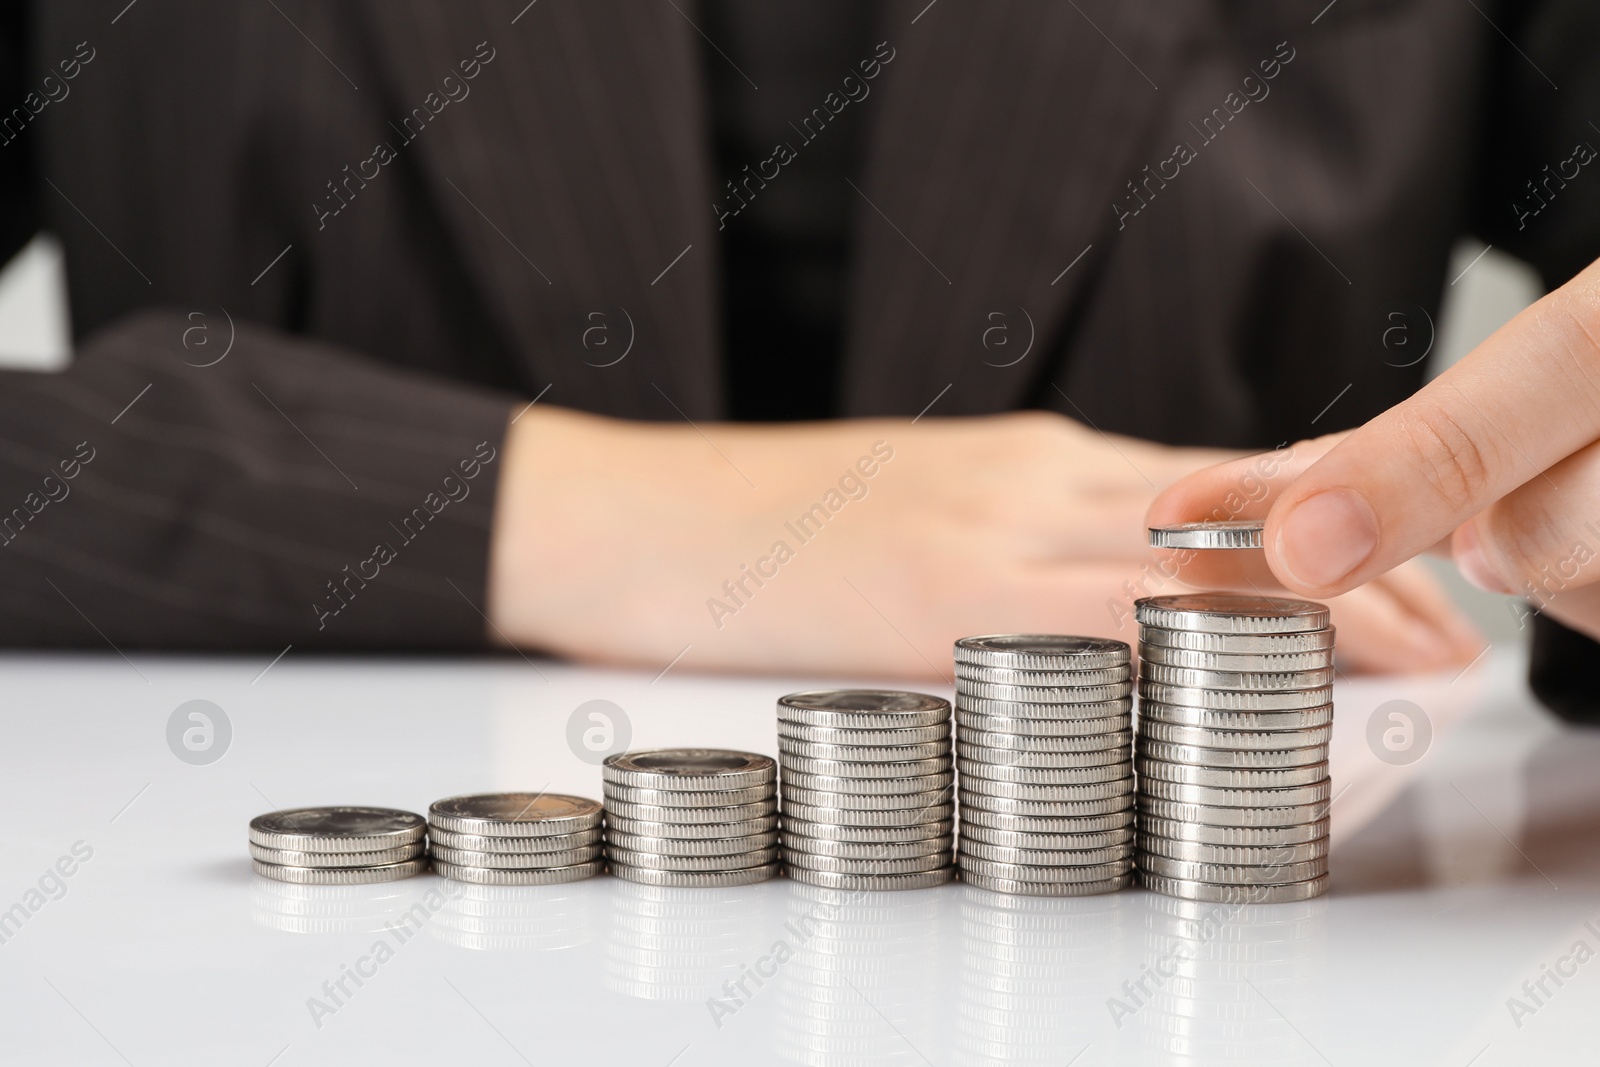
x=1404 y=622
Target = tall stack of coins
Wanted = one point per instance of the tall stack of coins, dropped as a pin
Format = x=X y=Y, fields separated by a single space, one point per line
x=338 y=845
x=515 y=838
x=1043 y=734
x=1235 y=711
x=866 y=789
x=691 y=817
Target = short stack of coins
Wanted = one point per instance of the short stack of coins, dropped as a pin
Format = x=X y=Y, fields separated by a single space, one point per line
x=866 y=789
x=338 y=845
x=516 y=838
x=1235 y=712
x=1044 y=732
x=691 y=817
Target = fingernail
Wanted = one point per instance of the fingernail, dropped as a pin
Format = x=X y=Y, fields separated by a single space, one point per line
x=1325 y=537
x=1474 y=564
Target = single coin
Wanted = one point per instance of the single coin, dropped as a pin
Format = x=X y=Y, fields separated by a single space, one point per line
x=655 y=813
x=974 y=818
x=1054 y=694
x=863 y=753
x=692 y=769
x=853 y=850
x=1044 y=679
x=827 y=783
x=1240 y=644
x=695 y=879
x=1233 y=740
x=872 y=883
x=1270 y=663
x=1042 y=857
x=1153 y=708
x=1236 y=855
x=340 y=875
x=832 y=735
x=1236 y=836
x=1027 y=757
x=1121 y=787
x=1222 y=534
x=818 y=798
x=795 y=859
x=523 y=845
x=868 y=835
x=1232 y=777
x=1246 y=758
x=670 y=846
x=1224 y=874
x=1281 y=893
x=1106 y=805
x=1012 y=887
x=863 y=709
x=337 y=829
x=1224 y=797
x=880 y=769
x=515 y=861
x=676 y=798
x=1213 y=815
x=293 y=858
x=849 y=817
x=1046 y=841
x=494 y=876
x=967 y=719
x=1089 y=744
x=1042 y=652
x=515 y=814
x=684 y=832
x=1236 y=681
x=1016 y=872
x=1230 y=614
x=655 y=861
x=1000 y=772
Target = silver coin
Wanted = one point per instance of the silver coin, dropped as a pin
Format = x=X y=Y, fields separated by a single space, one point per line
x=514 y=861
x=1234 y=855
x=674 y=798
x=479 y=843
x=968 y=719
x=863 y=753
x=1214 y=815
x=1154 y=709
x=1044 y=679
x=1105 y=805
x=872 y=883
x=879 y=769
x=1019 y=839
x=797 y=860
x=493 y=876
x=1011 y=887
x=1053 y=857
x=340 y=875
x=1236 y=681
x=868 y=786
x=1239 y=644
x=1231 y=614
x=1000 y=772
x=337 y=829
x=1245 y=758
x=671 y=846
x=1027 y=757
x=695 y=879
x=1224 y=797
x=1016 y=872
x=1226 y=874
x=655 y=861
x=832 y=735
x=1234 y=740
x=849 y=817
x=868 y=835
x=686 y=832
x=692 y=816
x=863 y=709
x=1042 y=652
x=818 y=798
x=294 y=858
x=1281 y=893
x=515 y=814
x=1235 y=836
x=1089 y=744
x=854 y=850
x=1053 y=694
x=1121 y=787
x=1231 y=777
x=1269 y=663
x=1221 y=534
x=1114 y=819
x=688 y=769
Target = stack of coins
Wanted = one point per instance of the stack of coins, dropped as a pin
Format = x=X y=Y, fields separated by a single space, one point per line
x=866 y=788
x=691 y=817
x=1235 y=710
x=338 y=846
x=1043 y=743
x=515 y=838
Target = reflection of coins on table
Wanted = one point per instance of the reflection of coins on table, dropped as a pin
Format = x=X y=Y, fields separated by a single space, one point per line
x=516 y=839
x=338 y=845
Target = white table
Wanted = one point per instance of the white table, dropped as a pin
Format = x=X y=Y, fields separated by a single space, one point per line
x=1456 y=880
